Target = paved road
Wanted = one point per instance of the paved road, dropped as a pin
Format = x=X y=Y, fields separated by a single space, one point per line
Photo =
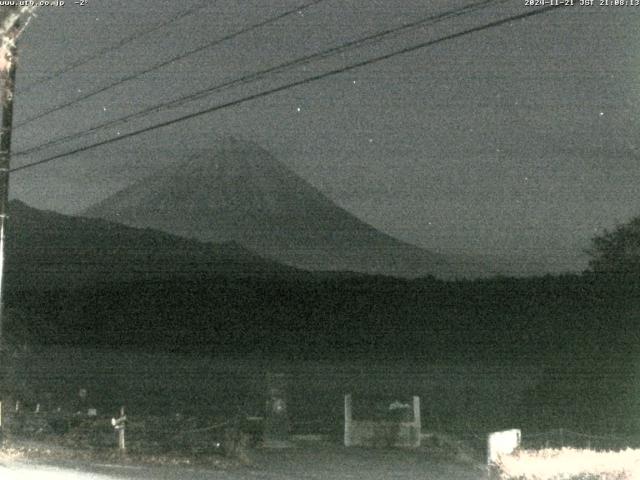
x=314 y=463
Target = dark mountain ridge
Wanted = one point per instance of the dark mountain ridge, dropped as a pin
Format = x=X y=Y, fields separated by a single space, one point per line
x=48 y=249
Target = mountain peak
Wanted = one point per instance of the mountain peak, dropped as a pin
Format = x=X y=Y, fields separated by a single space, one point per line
x=238 y=191
x=233 y=157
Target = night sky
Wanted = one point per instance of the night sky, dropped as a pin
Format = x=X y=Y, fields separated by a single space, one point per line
x=520 y=140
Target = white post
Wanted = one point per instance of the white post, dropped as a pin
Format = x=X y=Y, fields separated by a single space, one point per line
x=347 y=420
x=502 y=443
x=121 y=443
x=119 y=424
x=417 y=420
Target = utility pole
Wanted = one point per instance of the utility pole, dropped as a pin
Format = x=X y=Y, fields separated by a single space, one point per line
x=7 y=81
x=10 y=28
x=9 y=31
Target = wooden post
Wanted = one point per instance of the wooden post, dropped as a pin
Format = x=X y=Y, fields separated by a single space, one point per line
x=347 y=420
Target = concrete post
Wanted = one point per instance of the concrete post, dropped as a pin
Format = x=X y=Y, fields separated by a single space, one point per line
x=347 y=420
x=417 y=420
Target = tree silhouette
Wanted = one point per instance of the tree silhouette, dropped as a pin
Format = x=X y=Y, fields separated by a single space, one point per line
x=617 y=251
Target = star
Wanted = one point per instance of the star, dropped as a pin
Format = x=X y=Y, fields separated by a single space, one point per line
x=298 y=109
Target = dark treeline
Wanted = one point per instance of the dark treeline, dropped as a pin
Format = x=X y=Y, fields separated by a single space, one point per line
x=551 y=319
x=581 y=329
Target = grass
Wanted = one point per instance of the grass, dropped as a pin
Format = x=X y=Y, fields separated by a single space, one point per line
x=150 y=440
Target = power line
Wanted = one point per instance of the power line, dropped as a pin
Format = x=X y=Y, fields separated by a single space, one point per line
x=271 y=91
x=123 y=42
x=176 y=58
x=275 y=69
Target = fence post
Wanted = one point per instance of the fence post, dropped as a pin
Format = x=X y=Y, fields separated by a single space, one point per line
x=276 y=432
x=417 y=420
x=347 y=420
x=121 y=440
x=119 y=424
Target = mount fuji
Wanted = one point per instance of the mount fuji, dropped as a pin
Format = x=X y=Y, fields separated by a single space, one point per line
x=239 y=192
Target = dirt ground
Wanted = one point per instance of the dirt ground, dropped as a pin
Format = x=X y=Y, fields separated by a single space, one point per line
x=305 y=460
x=328 y=461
